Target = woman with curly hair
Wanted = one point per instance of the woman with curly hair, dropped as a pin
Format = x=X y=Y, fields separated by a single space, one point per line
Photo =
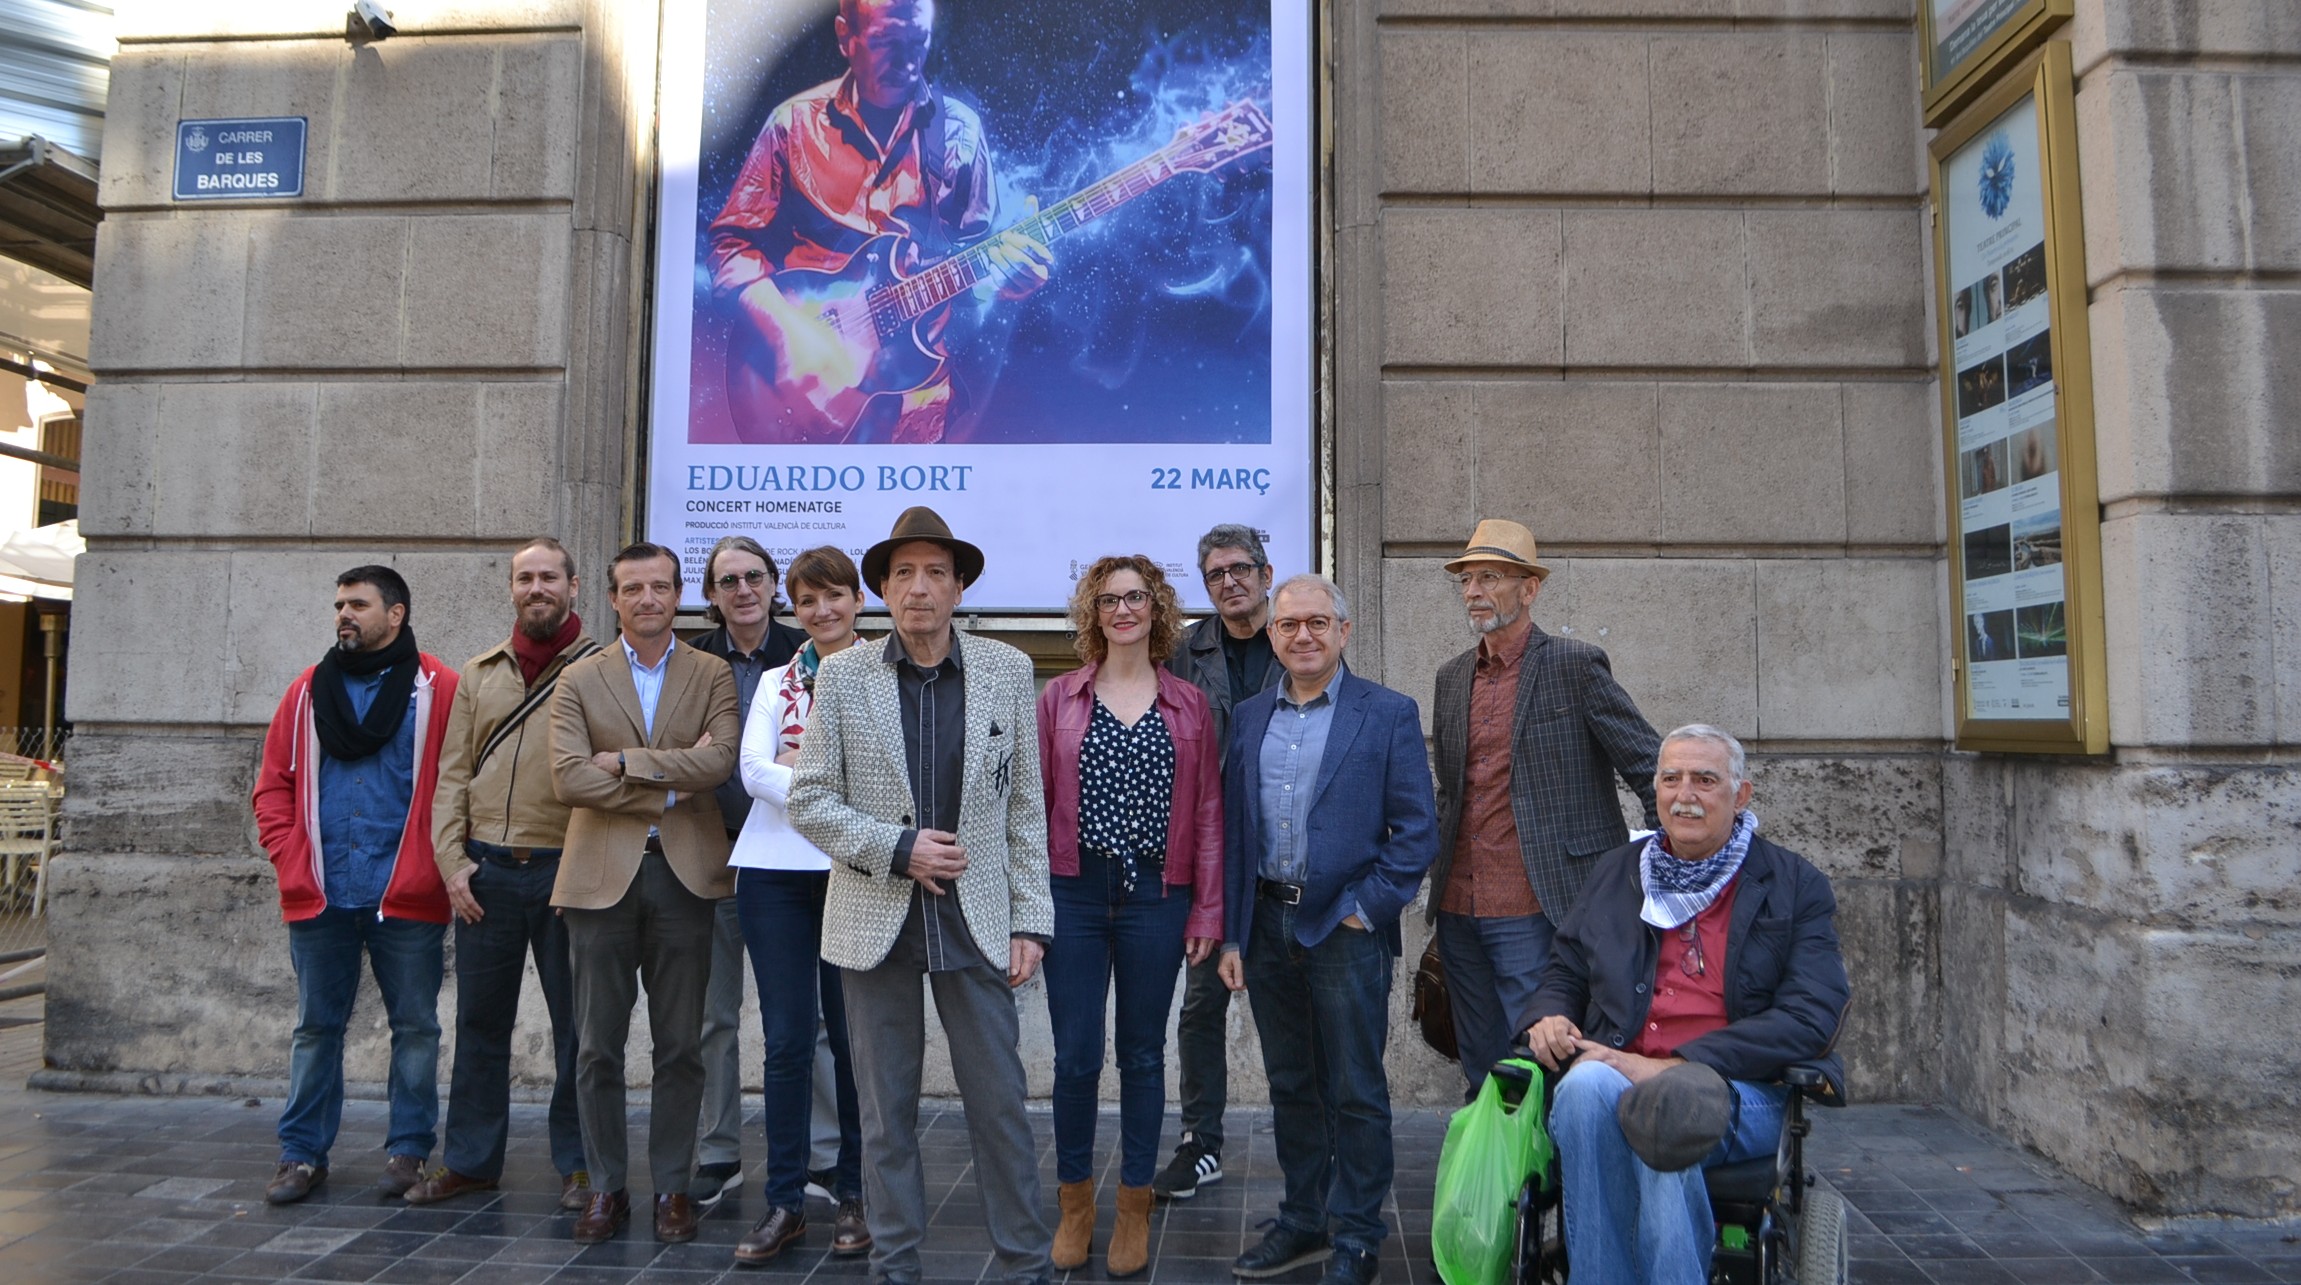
x=1134 y=852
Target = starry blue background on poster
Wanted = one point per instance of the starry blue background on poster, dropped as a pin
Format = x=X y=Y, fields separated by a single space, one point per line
x=1156 y=324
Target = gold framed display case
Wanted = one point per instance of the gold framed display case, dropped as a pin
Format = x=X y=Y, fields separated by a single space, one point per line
x=2017 y=415
x=1966 y=44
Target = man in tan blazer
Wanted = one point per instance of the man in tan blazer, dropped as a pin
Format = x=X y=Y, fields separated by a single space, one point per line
x=919 y=778
x=641 y=734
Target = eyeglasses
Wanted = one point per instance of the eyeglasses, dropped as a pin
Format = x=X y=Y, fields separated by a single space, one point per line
x=1691 y=963
x=1487 y=580
x=1243 y=572
x=754 y=578
x=1135 y=599
x=1290 y=626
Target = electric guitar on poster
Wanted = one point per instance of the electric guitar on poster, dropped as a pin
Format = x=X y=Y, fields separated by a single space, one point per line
x=885 y=316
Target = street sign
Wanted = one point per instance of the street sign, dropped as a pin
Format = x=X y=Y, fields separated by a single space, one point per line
x=239 y=159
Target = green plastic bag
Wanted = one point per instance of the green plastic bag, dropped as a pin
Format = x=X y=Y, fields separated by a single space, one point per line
x=1491 y=1149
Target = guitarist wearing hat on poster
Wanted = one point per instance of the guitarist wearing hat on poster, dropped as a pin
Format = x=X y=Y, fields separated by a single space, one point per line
x=878 y=150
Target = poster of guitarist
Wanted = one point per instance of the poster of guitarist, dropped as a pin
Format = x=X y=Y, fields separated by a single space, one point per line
x=876 y=265
x=876 y=151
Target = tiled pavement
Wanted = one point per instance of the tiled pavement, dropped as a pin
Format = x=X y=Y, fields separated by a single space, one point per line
x=169 y=1189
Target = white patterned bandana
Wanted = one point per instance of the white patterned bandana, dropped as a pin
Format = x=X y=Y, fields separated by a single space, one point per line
x=1676 y=890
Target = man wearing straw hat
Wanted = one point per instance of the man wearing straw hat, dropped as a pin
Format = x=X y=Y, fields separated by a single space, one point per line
x=1531 y=731
x=919 y=777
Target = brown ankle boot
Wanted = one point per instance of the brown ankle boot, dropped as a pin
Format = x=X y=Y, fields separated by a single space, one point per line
x=1075 y=1238
x=1130 y=1239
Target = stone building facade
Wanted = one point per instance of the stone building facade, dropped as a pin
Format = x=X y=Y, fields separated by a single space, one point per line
x=1652 y=276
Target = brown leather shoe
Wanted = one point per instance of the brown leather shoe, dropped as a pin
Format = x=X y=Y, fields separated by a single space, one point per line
x=675 y=1218
x=444 y=1183
x=604 y=1215
x=575 y=1191
x=851 y=1234
x=293 y=1182
x=401 y=1173
x=770 y=1235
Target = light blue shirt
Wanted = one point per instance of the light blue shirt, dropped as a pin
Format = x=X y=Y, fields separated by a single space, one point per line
x=649 y=681
x=1291 y=752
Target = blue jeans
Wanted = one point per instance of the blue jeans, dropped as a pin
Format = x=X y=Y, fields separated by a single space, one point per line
x=1102 y=931
x=1493 y=968
x=408 y=963
x=782 y=915
x=1624 y=1220
x=490 y=964
x=1324 y=1016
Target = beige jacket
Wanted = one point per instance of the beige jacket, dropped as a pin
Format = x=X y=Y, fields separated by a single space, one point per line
x=597 y=708
x=509 y=802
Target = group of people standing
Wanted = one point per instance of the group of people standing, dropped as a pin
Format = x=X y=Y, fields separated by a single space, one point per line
x=1224 y=804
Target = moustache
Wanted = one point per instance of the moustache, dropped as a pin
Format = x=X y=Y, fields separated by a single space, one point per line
x=1691 y=811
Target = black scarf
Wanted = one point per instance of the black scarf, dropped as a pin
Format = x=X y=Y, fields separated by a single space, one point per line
x=344 y=735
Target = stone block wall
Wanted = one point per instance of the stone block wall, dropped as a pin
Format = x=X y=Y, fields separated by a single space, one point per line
x=1649 y=277
x=2120 y=938
x=421 y=362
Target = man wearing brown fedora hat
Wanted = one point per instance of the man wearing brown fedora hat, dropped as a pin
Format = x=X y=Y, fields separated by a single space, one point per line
x=1531 y=732
x=919 y=777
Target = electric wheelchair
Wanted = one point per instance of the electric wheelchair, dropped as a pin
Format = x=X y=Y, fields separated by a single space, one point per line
x=1779 y=1223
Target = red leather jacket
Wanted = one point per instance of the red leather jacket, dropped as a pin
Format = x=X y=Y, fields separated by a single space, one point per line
x=1194 y=826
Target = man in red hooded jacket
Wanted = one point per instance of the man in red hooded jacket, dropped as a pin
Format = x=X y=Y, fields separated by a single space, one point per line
x=343 y=808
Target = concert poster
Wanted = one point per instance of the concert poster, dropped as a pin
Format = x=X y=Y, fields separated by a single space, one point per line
x=2011 y=576
x=1046 y=266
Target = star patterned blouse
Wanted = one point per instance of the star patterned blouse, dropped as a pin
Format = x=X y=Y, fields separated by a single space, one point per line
x=1126 y=788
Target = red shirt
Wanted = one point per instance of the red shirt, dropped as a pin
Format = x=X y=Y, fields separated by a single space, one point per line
x=1488 y=879
x=1686 y=1007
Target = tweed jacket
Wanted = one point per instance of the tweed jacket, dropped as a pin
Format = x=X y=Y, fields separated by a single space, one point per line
x=597 y=708
x=851 y=797
x=1575 y=731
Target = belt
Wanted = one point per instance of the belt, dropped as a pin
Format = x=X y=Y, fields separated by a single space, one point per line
x=655 y=844
x=1285 y=893
x=503 y=856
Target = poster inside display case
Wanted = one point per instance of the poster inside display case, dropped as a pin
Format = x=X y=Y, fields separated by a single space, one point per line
x=2024 y=514
x=1968 y=44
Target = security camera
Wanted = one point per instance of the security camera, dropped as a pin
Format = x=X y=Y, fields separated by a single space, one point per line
x=372 y=19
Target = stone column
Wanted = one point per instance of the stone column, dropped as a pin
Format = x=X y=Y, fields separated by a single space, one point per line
x=2119 y=944
x=1652 y=281
x=424 y=360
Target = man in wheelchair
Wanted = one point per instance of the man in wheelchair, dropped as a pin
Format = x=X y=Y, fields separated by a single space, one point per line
x=1697 y=967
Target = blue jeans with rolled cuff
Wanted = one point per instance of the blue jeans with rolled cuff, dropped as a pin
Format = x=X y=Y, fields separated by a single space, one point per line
x=1103 y=934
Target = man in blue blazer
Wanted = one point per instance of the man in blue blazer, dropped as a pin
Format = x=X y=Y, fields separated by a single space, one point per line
x=1329 y=825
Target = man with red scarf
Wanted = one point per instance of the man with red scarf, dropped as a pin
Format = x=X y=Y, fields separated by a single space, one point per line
x=496 y=833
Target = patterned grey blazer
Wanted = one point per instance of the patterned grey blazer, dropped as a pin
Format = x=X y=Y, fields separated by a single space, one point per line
x=851 y=797
x=1575 y=730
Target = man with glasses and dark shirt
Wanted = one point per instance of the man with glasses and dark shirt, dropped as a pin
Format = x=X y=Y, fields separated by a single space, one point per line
x=1228 y=657
x=739 y=583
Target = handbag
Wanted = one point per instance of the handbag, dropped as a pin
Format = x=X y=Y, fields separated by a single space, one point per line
x=1432 y=1009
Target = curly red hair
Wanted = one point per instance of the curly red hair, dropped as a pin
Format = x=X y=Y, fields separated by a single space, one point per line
x=1086 y=622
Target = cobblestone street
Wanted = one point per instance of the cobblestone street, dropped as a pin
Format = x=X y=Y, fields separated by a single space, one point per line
x=143 y=1189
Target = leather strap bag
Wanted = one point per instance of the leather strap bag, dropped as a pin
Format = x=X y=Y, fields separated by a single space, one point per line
x=1432 y=1008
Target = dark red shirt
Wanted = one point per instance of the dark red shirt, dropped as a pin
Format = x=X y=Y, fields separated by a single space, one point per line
x=1488 y=878
x=1686 y=1007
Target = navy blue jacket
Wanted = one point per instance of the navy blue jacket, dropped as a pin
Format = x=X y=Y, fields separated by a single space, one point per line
x=1786 y=988
x=1373 y=822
